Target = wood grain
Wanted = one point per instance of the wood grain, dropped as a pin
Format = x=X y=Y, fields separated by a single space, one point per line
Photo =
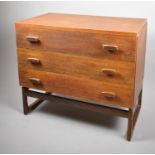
x=77 y=42
x=77 y=87
x=77 y=46
x=83 y=67
x=113 y=25
x=140 y=61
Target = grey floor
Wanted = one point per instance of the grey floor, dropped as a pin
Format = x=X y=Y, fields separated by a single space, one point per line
x=54 y=128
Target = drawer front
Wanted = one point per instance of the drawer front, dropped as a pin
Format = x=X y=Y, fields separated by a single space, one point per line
x=77 y=87
x=116 y=72
x=92 y=44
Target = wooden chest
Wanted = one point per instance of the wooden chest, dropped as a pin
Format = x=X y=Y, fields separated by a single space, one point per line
x=89 y=58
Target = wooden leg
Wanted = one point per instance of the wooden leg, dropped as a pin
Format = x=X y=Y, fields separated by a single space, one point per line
x=140 y=98
x=25 y=101
x=28 y=108
x=130 y=125
x=132 y=117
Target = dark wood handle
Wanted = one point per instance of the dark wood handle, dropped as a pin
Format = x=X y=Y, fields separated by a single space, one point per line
x=33 y=39
x=34 y=60
x=110 y=95
x=35 y=81
x=110 y=48
x=109 y=72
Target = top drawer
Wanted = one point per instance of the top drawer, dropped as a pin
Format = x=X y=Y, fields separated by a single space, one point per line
x=93 y=44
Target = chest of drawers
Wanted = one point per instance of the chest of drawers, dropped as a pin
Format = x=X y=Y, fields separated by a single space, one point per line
x=96 y=60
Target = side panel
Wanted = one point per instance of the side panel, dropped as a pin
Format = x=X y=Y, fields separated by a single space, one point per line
x=140 y=61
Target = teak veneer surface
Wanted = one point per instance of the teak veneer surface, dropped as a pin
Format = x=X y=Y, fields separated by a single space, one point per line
x=57 y=40
x=84 y=67
x=78 y=42
x=87 y=22
x=77 y=87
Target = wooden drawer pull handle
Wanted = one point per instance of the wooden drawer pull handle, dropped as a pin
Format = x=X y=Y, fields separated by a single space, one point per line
x=109 y=72
x=109 y=94
x=110 y=48
x=33 y=39
x=34 y=60
x=35 y=81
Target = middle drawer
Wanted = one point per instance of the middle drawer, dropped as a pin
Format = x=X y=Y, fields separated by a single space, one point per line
x=116 y=72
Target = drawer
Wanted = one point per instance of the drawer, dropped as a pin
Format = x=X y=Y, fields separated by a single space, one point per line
x=116 y=72
x=92 y=44
x=77 y=87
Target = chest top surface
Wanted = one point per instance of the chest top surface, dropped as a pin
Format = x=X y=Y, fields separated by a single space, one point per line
x=86 y=22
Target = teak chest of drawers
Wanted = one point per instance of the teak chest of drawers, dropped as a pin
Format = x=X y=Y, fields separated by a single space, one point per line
x=88 y=58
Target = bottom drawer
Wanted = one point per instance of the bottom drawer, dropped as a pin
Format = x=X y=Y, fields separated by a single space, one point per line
x=85 y=89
